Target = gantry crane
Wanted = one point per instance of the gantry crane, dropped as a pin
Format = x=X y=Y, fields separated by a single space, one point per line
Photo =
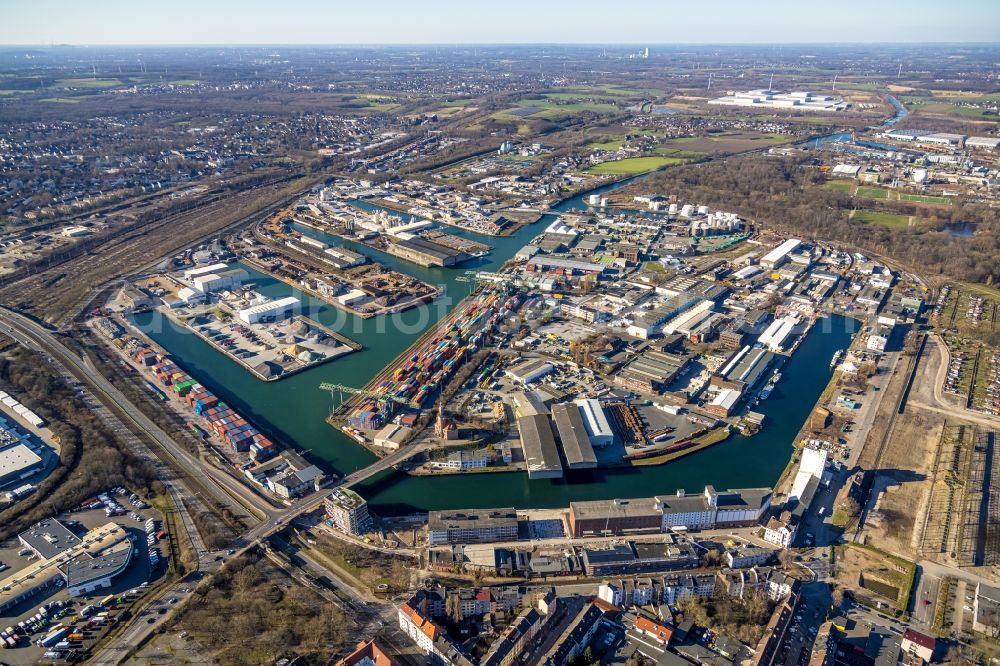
x=341 y=389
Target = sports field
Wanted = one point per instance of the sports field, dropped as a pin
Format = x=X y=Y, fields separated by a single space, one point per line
x=925 y=198
x=871 y=192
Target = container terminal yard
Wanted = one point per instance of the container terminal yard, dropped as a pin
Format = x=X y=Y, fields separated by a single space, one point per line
x=433 y=361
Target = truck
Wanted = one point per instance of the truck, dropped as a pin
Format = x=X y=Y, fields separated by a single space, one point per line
x=822 y=510
x=55 y=637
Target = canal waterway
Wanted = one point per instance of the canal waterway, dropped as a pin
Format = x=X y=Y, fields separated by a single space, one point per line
x=293 y=410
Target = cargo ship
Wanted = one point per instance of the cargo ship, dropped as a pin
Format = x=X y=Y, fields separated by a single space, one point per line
x=837 y=355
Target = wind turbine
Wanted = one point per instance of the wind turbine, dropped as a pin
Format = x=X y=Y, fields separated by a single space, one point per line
x=834 y=83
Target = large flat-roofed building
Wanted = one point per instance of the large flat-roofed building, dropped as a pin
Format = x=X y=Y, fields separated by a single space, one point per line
x=983 y=142
x=471 y=526
x=652 y=371
x=212 y=282
x=596 y=422
x=616 y=516
x=271 y=311
x=800 y=100
x=348 y=511
x=577 y=450
x=424 y=252
x=83 y=565
x=530 y=370
x=634 y=558
x=48 y=538
x=86 y=575
x=539 y=446
x=17 y=463
x=392 y=436
x=662 y=513
x=779 y=255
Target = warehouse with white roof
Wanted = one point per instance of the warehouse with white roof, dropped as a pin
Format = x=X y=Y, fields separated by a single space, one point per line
x=596 y=422
x=271 y=311
x=779 y=255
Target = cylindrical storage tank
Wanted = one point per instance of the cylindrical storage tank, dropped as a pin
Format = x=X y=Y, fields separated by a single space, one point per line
x=594 y=199
x=673 y=209
x=703 y=210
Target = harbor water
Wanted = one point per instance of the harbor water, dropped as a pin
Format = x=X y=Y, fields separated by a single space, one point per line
x=292 y=411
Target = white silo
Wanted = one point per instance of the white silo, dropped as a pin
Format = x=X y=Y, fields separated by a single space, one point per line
x=703 y=210
x=594 y=199
x=687 y=210
x=920 y=176
x=673 y=209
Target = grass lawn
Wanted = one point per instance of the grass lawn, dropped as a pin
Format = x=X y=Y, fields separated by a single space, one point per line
x=891 y=220
x=871 y=192
x=87 y=83
x=185 y=82
x=61 y=100
x=924 y=198
x=634 y=165
x=607 y=145
x=839 y=185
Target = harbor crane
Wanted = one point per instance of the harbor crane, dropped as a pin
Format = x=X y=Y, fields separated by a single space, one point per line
x=341 y=389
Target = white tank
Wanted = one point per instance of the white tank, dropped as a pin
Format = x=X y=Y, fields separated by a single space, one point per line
x=604 y=202
x=730 y=225
x=920 y=176
x=673 y=209
x=594 y=199
x=687 y=210
x=703 y=210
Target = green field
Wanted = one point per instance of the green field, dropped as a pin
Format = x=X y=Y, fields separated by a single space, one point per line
x=871 y=192
x=607 y=145
x=633 y=165
x=185 y=82
x=61 y=100
x=891 y=220
x=87 y=83
x=839 y=185
x=924 y=198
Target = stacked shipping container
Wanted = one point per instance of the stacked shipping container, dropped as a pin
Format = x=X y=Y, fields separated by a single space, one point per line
x=222 y=419
x=430 y=366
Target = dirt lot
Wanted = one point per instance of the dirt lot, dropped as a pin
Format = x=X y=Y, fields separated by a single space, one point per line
x=906 y=461
x=853 y=562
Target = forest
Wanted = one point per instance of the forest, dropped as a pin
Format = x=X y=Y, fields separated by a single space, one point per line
x=91 y=459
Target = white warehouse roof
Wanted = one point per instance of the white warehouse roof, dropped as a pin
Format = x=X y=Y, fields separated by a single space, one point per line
x=596 y=421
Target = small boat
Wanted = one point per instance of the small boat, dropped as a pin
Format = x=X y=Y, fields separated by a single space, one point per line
x=837 y=355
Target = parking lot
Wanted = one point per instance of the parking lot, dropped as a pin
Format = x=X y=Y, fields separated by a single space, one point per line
x=52 y=626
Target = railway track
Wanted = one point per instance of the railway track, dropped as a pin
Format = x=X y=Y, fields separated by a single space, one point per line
x=105 y=259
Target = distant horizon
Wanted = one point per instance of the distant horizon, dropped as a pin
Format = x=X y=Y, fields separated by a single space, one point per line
x=650 y=45
x=528 y=22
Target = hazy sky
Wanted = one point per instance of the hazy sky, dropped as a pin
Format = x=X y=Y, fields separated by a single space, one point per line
x=498 y=21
